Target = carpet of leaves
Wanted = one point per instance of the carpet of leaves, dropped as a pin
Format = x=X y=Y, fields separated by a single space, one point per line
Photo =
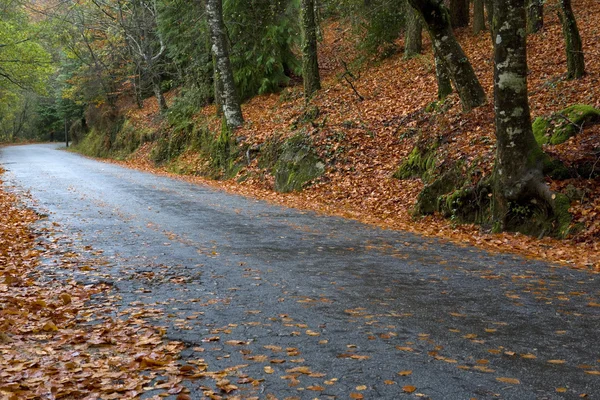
x=60 y=339
x=364 y=141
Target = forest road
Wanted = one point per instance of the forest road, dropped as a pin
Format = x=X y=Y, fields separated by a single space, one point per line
x=354 y=304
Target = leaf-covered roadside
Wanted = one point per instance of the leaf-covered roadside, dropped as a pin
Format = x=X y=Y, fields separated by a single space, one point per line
x=364 y=141
x=64 y=339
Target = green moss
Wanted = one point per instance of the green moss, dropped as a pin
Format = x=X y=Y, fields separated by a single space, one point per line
x=573 y=118
x=419 y=164
x=296 y=165
x=432 y=197
x=540 y=130
x=562 y=215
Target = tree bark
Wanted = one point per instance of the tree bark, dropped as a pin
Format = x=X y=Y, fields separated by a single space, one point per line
x=310 y=64
x=231 y=104
x=160 y=98
x=442 y=76
x=452 y=55
x=518 y=174
x=478 y=17
x=413 y=42
x=459 y=13
x=573 y=47
x=535 y=16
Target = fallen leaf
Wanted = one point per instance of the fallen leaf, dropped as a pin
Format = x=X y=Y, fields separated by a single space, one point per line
x=408 y=388
x=512 y=381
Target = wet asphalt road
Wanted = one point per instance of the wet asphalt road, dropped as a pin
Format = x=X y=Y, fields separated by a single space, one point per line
x=354 y=304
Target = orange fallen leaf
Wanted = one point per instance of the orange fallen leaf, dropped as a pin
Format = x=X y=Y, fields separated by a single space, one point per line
x=408 y=388
x=512 y=381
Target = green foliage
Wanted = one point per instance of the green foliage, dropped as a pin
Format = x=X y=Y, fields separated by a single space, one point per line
x=94 y=144
x=383 y=23
x=377 y=24
x=183 y=27
x=128 y=139
x=263 y=34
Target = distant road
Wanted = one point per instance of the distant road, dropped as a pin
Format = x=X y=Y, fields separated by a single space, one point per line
x=353 y=304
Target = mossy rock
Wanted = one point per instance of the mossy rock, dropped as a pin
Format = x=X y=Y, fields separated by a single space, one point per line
x=296 y=165
x=420 y=163
x=432 y=196
x=564 y=124
x=470 y=204
x=540 y=130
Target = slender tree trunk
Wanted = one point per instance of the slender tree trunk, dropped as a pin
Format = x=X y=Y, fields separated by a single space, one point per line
x=518 y=174
x=218 y=89
x=478 y=17
x=310 y=64
x=459 y=13
x=413 y=42
x=452 y=55
x=535 y=16
x=231 y=104
x=442 y=76
x=573 y=47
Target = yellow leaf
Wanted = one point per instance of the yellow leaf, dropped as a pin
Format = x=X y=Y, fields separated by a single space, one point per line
x=513 y=381
x=356 y=396
x=529 y=356
x=50 y=327
x=268 y=369
x=592 y=372
x=561 y=390
x=405 y=373
x=389 y=382
x=556 y=361
x=66 y=298
x=361 y=387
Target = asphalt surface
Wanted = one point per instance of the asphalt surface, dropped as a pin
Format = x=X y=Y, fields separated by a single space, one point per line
x=353 y=304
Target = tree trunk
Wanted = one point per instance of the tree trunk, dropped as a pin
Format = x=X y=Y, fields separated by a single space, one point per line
x=459 y=13
x=413 y=41
x=231 y=103
x=218 y=89
x=573 y=47
x=310 y=64
x=442 y=76
x=452 y=55
x=478 y=17
x=518 y=174
x=535 y=16
x=160 y=98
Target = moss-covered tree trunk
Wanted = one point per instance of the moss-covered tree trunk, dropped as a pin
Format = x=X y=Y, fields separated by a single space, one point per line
x=535 y=16
x=413 y=41
x=435 y=15
x=442 y=77
x=478 y=17
x=310 y=64
x=459 y=13
x=231 y=103
x=573 y=47
x=518 y=170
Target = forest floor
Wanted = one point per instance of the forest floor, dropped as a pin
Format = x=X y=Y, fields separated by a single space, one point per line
x=365 y=140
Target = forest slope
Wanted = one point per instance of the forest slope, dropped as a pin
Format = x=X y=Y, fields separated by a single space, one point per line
x=363 y=141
